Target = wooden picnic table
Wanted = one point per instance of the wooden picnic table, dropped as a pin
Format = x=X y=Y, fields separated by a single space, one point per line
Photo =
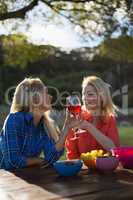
x=45 y=184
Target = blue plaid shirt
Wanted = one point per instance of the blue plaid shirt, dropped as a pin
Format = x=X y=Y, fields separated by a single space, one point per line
x=20 y=139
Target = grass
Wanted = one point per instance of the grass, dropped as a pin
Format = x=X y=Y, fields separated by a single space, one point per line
x=126 y=135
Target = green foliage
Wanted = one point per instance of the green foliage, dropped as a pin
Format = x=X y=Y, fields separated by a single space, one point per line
x=55 y=67
x=93 y=17
x=120 y=49
x=65 y=71
x=3 y=6
x=18 y=52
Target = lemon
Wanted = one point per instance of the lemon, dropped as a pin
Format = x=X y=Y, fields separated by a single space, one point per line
x=83 y=155
x=94 y=153
x=106 y=154
x=100 y=153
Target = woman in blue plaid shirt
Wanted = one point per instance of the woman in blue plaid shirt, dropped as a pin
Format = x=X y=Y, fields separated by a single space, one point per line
x=28 y=130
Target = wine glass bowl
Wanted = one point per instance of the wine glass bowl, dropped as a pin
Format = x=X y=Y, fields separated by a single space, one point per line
x=73 y=104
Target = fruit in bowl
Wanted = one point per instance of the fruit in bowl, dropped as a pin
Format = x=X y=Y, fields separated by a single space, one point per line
x=125 y=156
x=107 y=163
x=89 y=158
x=68 y=167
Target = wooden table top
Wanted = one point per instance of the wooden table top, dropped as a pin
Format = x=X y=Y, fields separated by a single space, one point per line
x=42 y=184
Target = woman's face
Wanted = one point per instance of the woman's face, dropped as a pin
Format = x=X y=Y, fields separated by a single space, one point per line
x=43 y=100
x=90 y=97
x=46 y=100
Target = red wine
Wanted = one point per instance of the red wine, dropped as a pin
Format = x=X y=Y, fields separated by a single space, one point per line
x=74 y=109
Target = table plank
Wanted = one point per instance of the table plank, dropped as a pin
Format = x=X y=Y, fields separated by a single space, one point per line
x=37 y=183
x=83 y=184
x=15 y=188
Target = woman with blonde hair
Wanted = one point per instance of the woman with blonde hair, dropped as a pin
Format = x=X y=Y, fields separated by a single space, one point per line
x=28 y=130
x=98 y=129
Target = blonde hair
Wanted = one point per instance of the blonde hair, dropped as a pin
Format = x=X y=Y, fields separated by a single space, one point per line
x=108 y=108
x=28 y=92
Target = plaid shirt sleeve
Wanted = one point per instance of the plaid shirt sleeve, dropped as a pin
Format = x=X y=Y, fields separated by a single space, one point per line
x=10 y=148
x=50 y=152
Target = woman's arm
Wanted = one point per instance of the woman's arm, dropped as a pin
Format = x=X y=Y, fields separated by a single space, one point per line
x=52 y=150
x=11 y=151
x=104 y=140
x=70 y=123
x=112 y=131
x=10 y=147
x=61 y=142
x=34 y=161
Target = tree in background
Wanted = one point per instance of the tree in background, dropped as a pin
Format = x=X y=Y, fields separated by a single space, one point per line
x=91 y=18
x=112 y=61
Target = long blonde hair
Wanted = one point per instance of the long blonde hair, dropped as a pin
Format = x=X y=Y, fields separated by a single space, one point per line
x=108 y=108
x=25 y=93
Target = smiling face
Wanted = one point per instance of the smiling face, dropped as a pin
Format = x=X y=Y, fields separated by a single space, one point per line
x=90 y=97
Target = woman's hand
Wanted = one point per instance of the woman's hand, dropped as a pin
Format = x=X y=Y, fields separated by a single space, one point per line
x=34 y=161
x=71 y=121
x=102 y=139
